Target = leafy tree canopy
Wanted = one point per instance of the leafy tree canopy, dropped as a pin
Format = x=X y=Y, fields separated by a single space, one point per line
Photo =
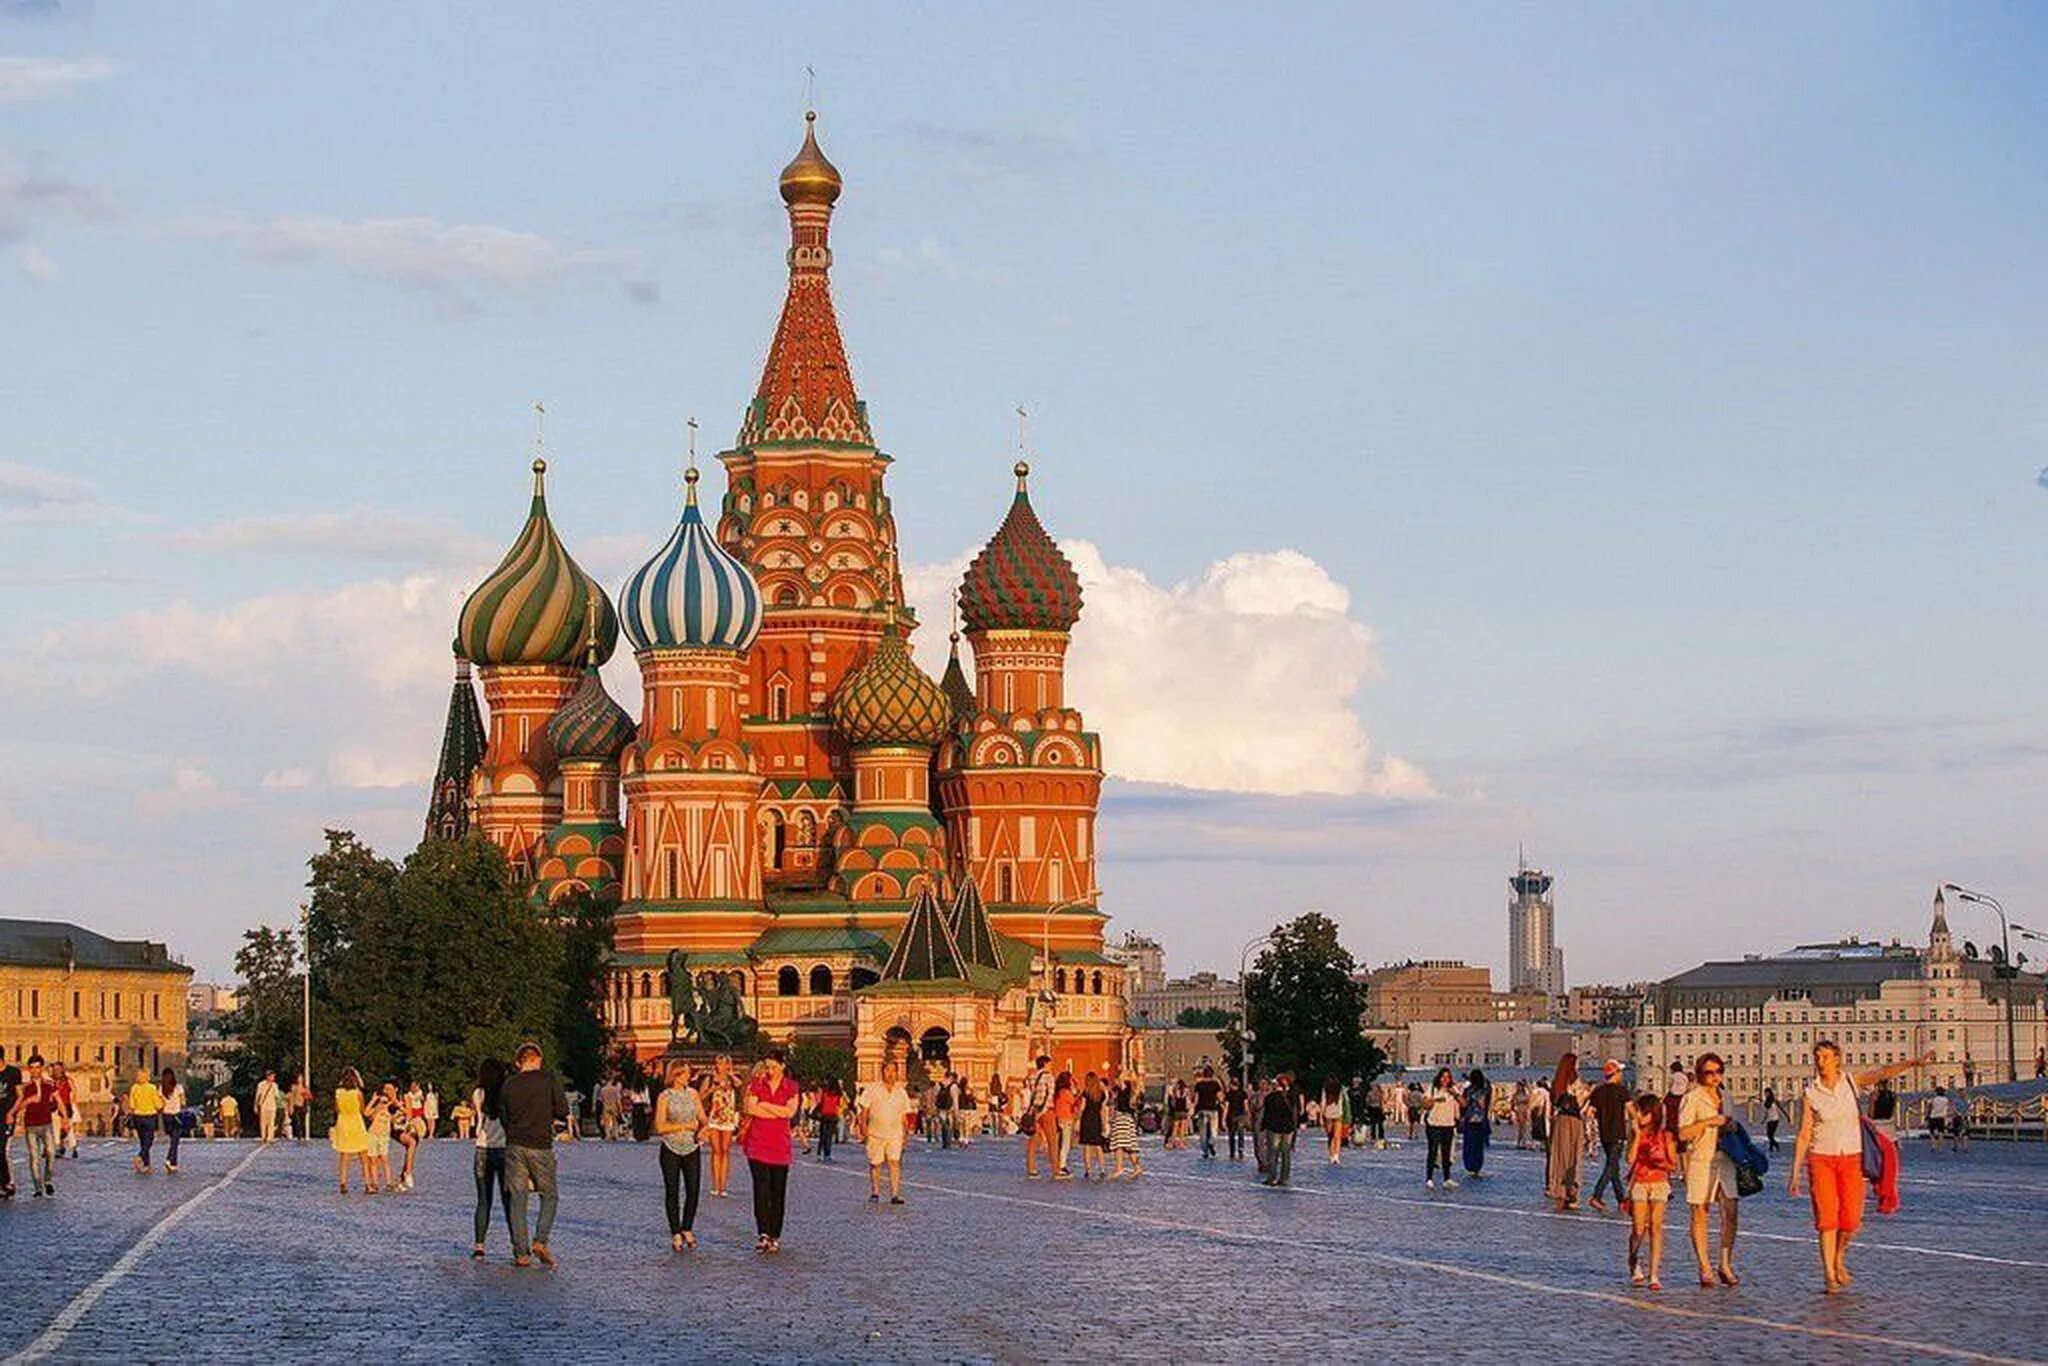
x=1305 y=1007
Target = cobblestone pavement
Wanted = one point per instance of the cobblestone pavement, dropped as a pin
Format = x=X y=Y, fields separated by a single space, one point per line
x=251 y=1253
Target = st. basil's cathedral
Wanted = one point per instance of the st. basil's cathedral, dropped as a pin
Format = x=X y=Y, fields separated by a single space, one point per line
x=873 y=857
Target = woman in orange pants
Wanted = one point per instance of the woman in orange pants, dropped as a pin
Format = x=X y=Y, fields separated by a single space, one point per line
x=1830 y=1153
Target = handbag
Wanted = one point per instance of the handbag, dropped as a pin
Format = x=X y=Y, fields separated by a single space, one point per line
x=1747 y=1182
x=1873 y=1152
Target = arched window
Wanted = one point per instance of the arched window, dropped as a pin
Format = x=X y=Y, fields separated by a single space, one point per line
x=821 y=980
x=667 y=985
x=778 y=697
x=788 y=982
x=1097 y=985
x=1059 y=980
x=646 y=985
x=1006 y=883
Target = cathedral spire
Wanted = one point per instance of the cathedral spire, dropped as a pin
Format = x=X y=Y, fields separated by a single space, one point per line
x=926 y=950
x=806 y=392
x=462 y=749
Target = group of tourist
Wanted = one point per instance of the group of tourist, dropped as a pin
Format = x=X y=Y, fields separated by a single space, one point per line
x=41 y=1105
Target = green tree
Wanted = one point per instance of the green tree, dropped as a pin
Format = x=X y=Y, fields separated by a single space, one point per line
x=817 y=1063
x=585 y=925
x=1305 y=1006
x=421 y=971
x=1206 y=1017
x=267 y=1016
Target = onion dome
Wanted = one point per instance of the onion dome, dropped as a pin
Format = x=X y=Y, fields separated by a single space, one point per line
x=590 y=725
x=691 y=595
x=536 y=606
x=889 y=700
x=1020 y=581
x=810 y=179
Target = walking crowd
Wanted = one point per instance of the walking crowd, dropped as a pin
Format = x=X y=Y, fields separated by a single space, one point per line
x=1643 y=1144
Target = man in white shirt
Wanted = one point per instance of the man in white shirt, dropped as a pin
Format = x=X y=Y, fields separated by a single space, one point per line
x=268 y=1103
x=882 y=1115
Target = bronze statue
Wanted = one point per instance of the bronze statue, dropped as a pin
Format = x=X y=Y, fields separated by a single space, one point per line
x=722 y=1022
x=684 y=1007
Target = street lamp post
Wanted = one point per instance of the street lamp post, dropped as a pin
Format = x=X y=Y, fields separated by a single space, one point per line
x=306 y=998
x=1048 y=1000
x=1244 y=1013
x=2005 y=969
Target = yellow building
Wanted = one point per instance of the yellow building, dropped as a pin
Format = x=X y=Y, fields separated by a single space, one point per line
x=102 y=1007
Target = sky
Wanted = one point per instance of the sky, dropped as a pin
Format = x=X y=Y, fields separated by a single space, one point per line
x=1617 y=434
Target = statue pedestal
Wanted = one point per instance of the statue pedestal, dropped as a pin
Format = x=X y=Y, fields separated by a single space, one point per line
x=699 y=1057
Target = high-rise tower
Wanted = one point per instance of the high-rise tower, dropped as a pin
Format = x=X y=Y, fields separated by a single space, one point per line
x=1535 y=962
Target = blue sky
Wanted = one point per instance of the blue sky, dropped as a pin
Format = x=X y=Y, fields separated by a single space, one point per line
x=1610 y=431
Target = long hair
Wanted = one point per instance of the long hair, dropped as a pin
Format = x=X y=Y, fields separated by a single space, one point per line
x=1567 y=1074
x=490 y=1079
x=1443 y=1078
x=351 y=1080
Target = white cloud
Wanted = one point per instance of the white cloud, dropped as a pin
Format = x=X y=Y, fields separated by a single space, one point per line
x=359 y=534
x=457 y=266
x=32 y=261
x=287 y=779
x=27 y=80
x=1242 y=679
x=26 y=491
x=186 y=778
x=35 y=197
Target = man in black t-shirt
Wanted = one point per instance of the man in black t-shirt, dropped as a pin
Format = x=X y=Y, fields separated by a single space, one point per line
x=1235 y=1105
x=1208 y=1110
x=1280 y=1121
x=1609 y=1103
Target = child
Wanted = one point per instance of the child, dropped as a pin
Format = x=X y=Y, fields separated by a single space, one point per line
x=1651 y=1157
x=378 y=1172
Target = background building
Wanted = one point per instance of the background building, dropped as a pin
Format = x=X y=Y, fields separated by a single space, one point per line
x=1881 y=1003
x=1143 y=962
x=103 y=1007
x=1535 y=962
x=1197 y=991
x=1605 y=1006
x=1434 y=989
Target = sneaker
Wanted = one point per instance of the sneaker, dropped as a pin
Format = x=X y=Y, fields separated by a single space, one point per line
x=1449 y=1184
x=1428 y=1185
x=895 y=1199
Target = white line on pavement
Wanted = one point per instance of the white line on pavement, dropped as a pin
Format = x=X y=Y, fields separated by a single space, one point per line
x=1717 y=1317
x=1593 y=1220
x=53 y=1337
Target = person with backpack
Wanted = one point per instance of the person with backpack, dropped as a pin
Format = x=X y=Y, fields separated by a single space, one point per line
x=1830 y=1151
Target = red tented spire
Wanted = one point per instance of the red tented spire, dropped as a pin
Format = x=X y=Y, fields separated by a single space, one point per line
x=806 y=391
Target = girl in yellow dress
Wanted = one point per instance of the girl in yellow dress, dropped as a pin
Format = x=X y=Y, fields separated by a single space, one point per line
x=348 y=1136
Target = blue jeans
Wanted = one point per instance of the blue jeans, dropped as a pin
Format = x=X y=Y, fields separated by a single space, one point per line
x=1279 y=1158
x=1205 y=1125
x=490 y=1173
x=1610 y=1173
x=42 y=1146
x=145 y=1135
x=530 y=1171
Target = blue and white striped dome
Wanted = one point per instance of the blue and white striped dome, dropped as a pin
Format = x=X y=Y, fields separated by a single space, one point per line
x=691 y=595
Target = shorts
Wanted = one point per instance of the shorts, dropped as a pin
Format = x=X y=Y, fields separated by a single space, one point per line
x=1650 y=1192
x=1936 y=1127
x=882 y=1150
x=1837 y=1183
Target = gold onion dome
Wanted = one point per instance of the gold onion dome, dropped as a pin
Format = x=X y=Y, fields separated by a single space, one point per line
x=810 y=179
x=535 y=608
x=890 y=701
x=1021 y=580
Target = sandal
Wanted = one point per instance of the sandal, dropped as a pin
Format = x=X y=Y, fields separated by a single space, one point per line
x=690 y=1241
x=676 y=1241
x=476 y=1251
x=1656 y=1284
x=1728 y=1276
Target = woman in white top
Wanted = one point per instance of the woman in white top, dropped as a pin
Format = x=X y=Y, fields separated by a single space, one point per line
x=1830 y=1152
x=174 y=1116
x=1440 y=1124
x=490 y=1149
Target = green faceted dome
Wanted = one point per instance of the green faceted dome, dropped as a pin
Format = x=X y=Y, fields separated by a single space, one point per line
x=590 y=725
x=890 y=701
